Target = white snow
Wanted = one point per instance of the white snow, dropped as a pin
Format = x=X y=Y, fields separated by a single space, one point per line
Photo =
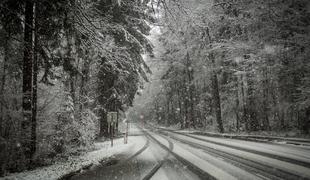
x=277 y=139
x=280 y=150
x=171 y=168
x=197 y=161
x=293 y=168
x=160 y=175
x=60 y=169
x=222 y=164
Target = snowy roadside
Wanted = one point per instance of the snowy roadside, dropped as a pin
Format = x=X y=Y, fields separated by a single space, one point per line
x=257 y=138
x=247 y=137
x=74 y=164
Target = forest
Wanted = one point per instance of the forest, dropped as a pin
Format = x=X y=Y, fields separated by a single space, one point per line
x=235 y=66
x=64 y=64
x=231 y=66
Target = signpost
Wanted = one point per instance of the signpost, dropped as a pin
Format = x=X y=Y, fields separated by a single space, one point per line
x=112 y=120
x=126 y=131
x=142 y=119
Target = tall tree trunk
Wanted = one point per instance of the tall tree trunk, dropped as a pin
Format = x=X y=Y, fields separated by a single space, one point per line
x=180 y=110
x=71 y=79
x=266 y=124
x=69 y=66
x=191 y=98
x=245 y=112
x=306 y=122
x=34 y=90
x=72 y=87
x=252 y=112
x=156 y=110
x=237 y=111
x=103 y=124
x=215 y=86
x=216 y=95
x=84 y=81
x=282 y=118
x=190 y=89
x=186 y=118
x=168 y=112
x=27 y=80
x=3 y=81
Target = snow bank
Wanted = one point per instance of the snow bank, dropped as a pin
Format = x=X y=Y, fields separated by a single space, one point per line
x=286 y=166
x=292 y=152
x=73 y=164
x=249 y=137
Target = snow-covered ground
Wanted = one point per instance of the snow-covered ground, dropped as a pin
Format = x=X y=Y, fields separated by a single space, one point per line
x=73 y=164
x=196 y=160
x=125 y=164
x=141 y=165
x=293 y=152
x=186 y=156
x=263 y=137
x=266 y=148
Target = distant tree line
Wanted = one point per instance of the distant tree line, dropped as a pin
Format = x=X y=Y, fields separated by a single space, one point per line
x=236 y=65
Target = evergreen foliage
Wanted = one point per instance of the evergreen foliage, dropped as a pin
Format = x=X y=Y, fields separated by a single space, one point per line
x=81 y=59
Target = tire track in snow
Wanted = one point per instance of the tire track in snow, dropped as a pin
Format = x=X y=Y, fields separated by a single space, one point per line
x=255 y=167
x=282 y=158
x=195 y=169
x=160 y=163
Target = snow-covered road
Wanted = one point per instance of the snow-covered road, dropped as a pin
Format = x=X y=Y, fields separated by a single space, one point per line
x=176 y=155
x=264 y=160
x=148 y=162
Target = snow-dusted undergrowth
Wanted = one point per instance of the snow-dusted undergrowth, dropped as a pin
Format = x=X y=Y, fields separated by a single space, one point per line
x=73 y=164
